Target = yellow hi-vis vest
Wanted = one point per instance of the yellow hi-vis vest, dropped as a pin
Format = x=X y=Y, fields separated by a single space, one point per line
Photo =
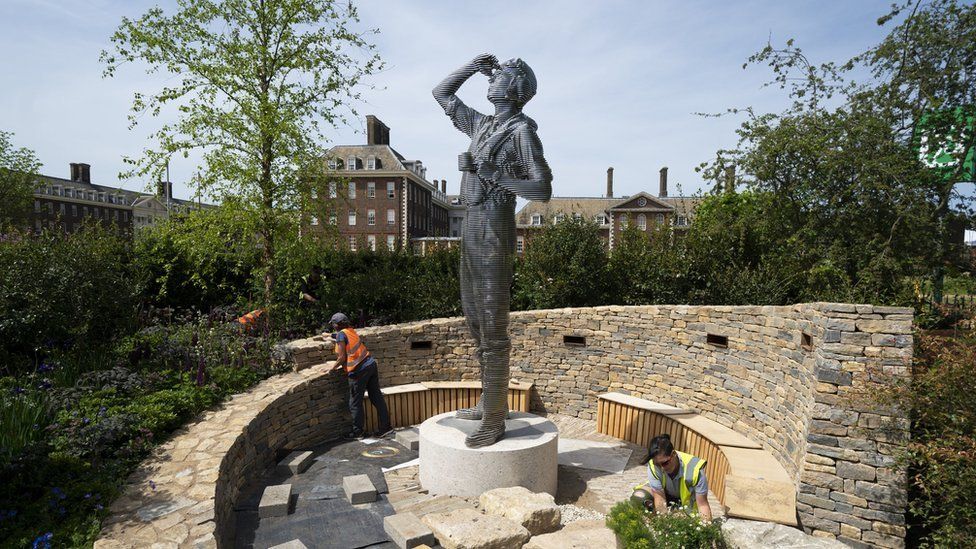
x=689 y=472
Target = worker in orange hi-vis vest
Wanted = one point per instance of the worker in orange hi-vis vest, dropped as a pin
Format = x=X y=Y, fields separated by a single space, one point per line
x=354 y=359
x=251 y=322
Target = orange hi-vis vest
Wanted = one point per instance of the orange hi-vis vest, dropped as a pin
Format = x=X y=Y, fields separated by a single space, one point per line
x=356 y=351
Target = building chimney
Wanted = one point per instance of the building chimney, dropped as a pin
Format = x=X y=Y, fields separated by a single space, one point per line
x=84 y=173
x=663 y=193
x=444 y=186
x=377 y=133
x=74 y=171
x=730 y=179
x=164 y=190
x=609 y=182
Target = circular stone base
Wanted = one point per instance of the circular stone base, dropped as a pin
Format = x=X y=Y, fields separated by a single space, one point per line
x=526 y=456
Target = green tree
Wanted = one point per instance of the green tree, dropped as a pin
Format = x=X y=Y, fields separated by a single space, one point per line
x=18 y=178
x=649 y=268
x=848 y=191
x=256 y=83
x=564 y=266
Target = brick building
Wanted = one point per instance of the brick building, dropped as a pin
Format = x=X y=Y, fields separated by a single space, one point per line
x=67 y=204
x=612 y=215
x=374 y=197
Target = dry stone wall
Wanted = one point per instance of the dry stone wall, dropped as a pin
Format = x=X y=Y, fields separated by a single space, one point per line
x=791 y=378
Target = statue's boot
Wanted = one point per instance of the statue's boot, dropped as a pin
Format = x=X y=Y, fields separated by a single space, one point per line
x=477 y=411
x=494 y=396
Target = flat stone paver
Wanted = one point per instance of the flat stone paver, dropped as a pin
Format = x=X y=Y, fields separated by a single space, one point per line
x=406 y=531
x=409 y=438
x=295 y=462
x=359 y=489
x=275 y=501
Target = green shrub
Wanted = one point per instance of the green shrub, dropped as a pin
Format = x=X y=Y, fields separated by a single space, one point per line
x=62 y=291
x=941 y=457
x=639 y=529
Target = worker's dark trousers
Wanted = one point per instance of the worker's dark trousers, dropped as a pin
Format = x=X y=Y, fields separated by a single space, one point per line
x=368 y=379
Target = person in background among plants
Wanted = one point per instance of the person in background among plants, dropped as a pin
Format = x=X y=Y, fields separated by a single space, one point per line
x=354 y=358
x=311 y=289
x=674 y=479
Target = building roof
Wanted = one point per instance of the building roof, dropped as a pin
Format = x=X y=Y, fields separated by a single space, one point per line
x=132 y=198
x=590 y=207
x=388 y=157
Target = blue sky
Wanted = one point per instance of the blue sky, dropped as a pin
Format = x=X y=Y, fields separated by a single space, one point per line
x=619 y=81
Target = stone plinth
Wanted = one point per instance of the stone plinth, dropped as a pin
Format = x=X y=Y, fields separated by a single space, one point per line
x=527 y=456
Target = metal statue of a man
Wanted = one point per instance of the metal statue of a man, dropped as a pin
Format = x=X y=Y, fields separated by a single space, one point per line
x=504 y=160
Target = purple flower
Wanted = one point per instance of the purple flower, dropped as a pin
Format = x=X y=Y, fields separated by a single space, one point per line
x=43 y=541
x=152 y=485
x=18 y=390
x=99 y=507
x=45 y=367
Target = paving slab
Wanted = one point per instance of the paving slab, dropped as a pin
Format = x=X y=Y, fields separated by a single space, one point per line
x=275 y=501
x=359 y=489
x=590 y=454
x=406 y=531
x=295 y=463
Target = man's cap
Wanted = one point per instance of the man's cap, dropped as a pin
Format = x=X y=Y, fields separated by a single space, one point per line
x=338 y=317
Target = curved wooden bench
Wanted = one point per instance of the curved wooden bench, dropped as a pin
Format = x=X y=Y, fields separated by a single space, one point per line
x=412 y=403
x=748 y=480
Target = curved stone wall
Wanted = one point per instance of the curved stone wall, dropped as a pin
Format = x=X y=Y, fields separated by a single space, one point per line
x=782 y=376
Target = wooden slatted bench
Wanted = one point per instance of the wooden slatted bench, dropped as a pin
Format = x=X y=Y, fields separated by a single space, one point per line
x=748 y=480
x=411 y=404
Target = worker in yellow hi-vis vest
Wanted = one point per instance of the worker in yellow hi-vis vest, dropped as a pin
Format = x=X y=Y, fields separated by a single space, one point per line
x=674 y=479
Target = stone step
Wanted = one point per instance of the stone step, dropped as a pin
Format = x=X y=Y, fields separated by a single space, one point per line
x=275 y=501
x=470 y=528
x=359 y=489
x=436 y=504
x=406 y=531
x=295 y=463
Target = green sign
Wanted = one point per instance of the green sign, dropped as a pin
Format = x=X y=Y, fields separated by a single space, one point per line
x=943 y=139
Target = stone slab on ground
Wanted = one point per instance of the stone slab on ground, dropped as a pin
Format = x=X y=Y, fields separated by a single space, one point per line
x=750 y=534
x=275 y=501
x=359 y=489
x=538 y=513
x=293 y=544
x=590 y=454
x=469 y=529
x=583 y=534
x=295 y=463
x=406 y=531
x=409 y=438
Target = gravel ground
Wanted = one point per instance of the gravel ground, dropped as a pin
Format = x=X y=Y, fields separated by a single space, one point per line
x=572 y=513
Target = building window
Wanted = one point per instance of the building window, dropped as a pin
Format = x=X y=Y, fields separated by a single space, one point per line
x=371 y=190
x=558 y=218
x=370 y=162
x=537 y=219
x=352 y=243
x=623 y=221
x=333 y=219
x=315 y=220
x=390 y=242
x=520 y=244
x=371 y=241
x=351 y=163
x=332 y=189
x=74 y=210
x=642 y=222
x=371 y=217
x=391 y=190
x=50 y=208
x=391 y=216
x=335 y=164
x=37 y=206
x=660 y=219
x=352 y=218
x=61 y=208
x=600 y=219
x=37 y=226
x=84 y=211
x=682 y=221
x=352 y=189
